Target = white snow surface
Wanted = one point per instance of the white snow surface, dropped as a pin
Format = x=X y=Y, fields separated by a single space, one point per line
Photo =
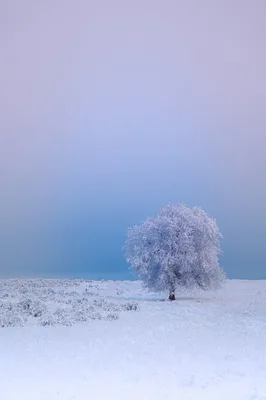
x=75 y=339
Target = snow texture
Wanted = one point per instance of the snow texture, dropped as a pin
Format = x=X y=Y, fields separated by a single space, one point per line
x=112 y=340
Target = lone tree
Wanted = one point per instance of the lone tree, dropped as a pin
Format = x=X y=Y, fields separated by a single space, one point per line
x=180 y=247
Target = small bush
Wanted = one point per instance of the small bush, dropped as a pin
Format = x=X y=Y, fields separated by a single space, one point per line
x=111 y=317
x=10 y=320
x=63 y=317
x=31 y=308
x=47 y=321
x=130 y=307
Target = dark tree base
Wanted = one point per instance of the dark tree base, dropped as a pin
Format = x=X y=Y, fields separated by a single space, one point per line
x=171 y=297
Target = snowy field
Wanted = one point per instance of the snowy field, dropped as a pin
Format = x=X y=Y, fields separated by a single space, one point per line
x=74 y=339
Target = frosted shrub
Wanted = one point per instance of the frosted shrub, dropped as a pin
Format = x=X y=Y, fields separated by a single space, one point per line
x=31 y=308
x=9 y=316
x=130 y=307
x=180 y=247
x=63 y=317
x=112 y=317
x=80 y=316
x=11 y=320
x=51 y=303
x=47 y=320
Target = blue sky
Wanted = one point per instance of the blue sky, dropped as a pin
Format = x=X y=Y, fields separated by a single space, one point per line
x=111 y=110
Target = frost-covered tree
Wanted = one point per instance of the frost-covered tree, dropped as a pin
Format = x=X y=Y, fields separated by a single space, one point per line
x=180 y=247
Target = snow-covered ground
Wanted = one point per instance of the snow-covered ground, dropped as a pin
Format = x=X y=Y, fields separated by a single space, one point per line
x=67 y=339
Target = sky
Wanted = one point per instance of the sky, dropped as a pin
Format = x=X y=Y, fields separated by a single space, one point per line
x=111 y=109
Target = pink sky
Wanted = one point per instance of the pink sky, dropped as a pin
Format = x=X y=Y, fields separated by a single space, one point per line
x=103 y=96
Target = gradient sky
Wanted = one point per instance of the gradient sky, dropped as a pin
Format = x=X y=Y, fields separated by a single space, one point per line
x=111 y=109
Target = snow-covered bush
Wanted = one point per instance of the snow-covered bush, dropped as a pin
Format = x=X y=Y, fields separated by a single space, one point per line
x=9 y=316
x=63 y=317
x=180 y=247
x=32 y=308
x=130 y=307
x=11 y=320
x=88 y=292
x=52 y=302
x=47 y=320
x=112 y=317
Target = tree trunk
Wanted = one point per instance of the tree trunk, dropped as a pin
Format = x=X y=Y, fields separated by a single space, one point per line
x=171 y=296
x=172 y=293
x=171 y=287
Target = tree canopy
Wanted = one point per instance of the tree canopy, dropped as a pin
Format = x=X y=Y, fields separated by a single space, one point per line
x=179 y=247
